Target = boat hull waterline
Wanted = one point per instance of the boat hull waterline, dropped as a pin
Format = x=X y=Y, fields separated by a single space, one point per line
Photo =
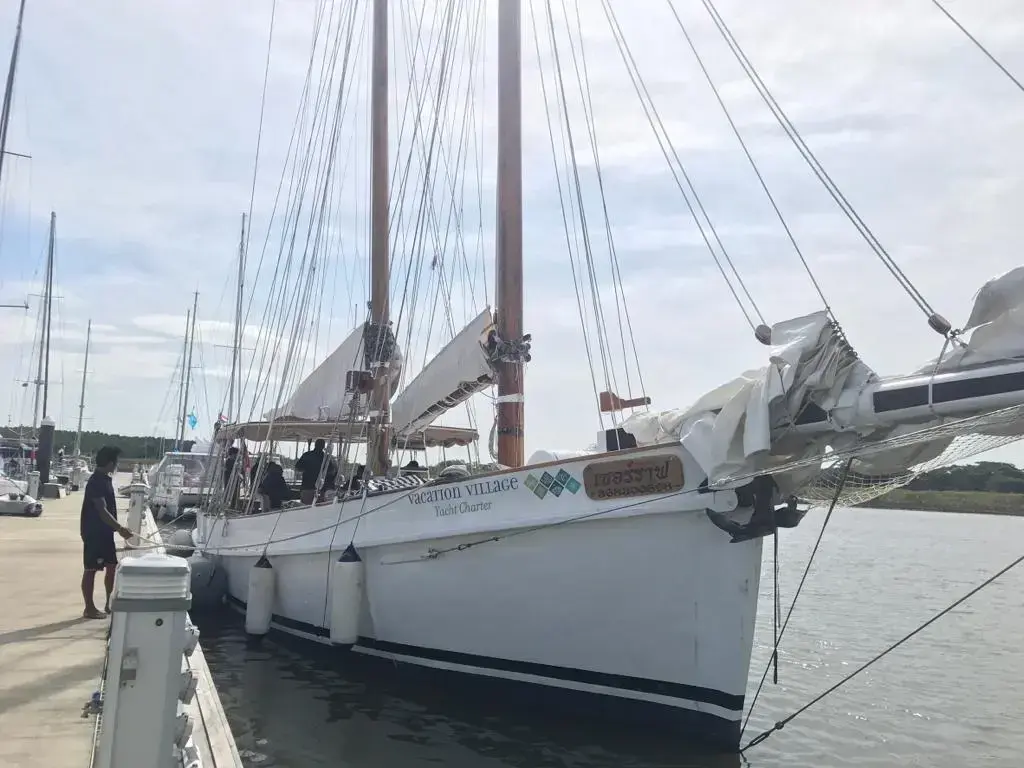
x=636 y=603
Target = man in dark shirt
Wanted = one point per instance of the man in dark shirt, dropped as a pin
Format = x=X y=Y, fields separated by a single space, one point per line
x=309 y=465
x=274 y=487
x=98 y=526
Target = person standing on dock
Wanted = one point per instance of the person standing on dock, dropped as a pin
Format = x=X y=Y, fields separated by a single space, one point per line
x=98 y=526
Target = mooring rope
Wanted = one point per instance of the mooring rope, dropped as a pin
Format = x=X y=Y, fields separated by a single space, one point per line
x=799 y=589
x=785 y=721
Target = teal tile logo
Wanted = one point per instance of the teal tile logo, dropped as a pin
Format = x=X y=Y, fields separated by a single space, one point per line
x=555 y=484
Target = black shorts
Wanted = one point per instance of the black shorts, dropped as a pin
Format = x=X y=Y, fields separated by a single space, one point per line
x=98 y=551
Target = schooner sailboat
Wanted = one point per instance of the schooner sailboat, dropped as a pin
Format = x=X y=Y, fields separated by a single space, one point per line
x=623 y=577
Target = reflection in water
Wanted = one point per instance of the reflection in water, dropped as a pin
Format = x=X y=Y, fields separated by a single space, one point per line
x=948 y=699
x=290 y=705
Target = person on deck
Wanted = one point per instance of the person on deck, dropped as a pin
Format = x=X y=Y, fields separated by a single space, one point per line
x=98 y=526
x=330 y=478
x=355 y=481
x=231 y=483
x=309 y=464
x=274 y=486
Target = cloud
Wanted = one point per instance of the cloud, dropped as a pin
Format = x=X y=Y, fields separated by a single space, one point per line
x=142 y=123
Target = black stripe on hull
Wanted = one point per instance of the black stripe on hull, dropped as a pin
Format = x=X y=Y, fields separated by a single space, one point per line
x=668 y=720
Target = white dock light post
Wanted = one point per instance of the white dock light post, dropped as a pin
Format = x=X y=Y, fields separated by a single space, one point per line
x=143 y=724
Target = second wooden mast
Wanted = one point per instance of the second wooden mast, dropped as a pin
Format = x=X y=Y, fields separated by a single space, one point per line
x=377 y=338
x=509 y=246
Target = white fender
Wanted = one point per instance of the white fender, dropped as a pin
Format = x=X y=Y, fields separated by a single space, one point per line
x=260 y=606
x=346 y=597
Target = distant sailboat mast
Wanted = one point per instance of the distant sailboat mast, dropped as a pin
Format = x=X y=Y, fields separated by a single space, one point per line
x=42 y=381
x=235 y=385
x=81 y=402
x=186 y=373
x=5 y=111
x=180 y=427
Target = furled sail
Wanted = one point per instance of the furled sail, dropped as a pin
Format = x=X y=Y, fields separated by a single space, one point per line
x=455 y=374
x=321 y=396
x=817 y=396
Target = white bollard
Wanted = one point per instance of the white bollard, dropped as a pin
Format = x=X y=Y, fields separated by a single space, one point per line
x=33 y=485
x=142 y=724
x=136 y=507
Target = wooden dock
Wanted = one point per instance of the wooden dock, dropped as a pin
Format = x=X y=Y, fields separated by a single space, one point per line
x=52 y=660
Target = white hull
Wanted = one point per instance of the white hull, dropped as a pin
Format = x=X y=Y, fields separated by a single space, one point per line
x=644 y=602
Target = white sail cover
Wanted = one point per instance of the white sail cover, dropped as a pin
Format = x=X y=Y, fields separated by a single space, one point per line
x=747 y=425
x=321 y=396
x=459 y=371
x=729 y=429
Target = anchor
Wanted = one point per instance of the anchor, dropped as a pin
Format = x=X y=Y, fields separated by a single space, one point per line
x=767 y=518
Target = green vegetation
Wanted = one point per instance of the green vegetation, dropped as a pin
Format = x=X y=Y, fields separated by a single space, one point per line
x=988 y=487
x=976 y=502
x=134 y=448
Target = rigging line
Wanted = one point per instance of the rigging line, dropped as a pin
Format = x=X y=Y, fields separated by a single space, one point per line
x=794 y=135
x=982 y=48
x=453 y=219
x=878 y=657
x=796 y=595
x=429 y=205
x=456 y=188
x=263 y=105
x=428 y=227
x=776 y=606
x=329 y=175
x=669 y=153
x=303 y=171
x=411 y=244
x=583 y=84
x=416 y=106
x=291 y=158
x=667 y=148
x=577 y=189
x=428 y=162
x=750 y=157
x=478 y=145
x=613 y=250
x=562 y=207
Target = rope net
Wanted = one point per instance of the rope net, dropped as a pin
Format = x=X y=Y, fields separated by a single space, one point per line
x=816 y=478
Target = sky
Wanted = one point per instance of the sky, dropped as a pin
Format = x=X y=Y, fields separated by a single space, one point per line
x=142 y=121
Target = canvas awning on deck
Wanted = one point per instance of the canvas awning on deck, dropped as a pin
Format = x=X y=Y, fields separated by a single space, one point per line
x=298 y=430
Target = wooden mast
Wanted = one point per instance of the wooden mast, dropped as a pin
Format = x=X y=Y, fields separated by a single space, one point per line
x=379 y=437
x=509 y=246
